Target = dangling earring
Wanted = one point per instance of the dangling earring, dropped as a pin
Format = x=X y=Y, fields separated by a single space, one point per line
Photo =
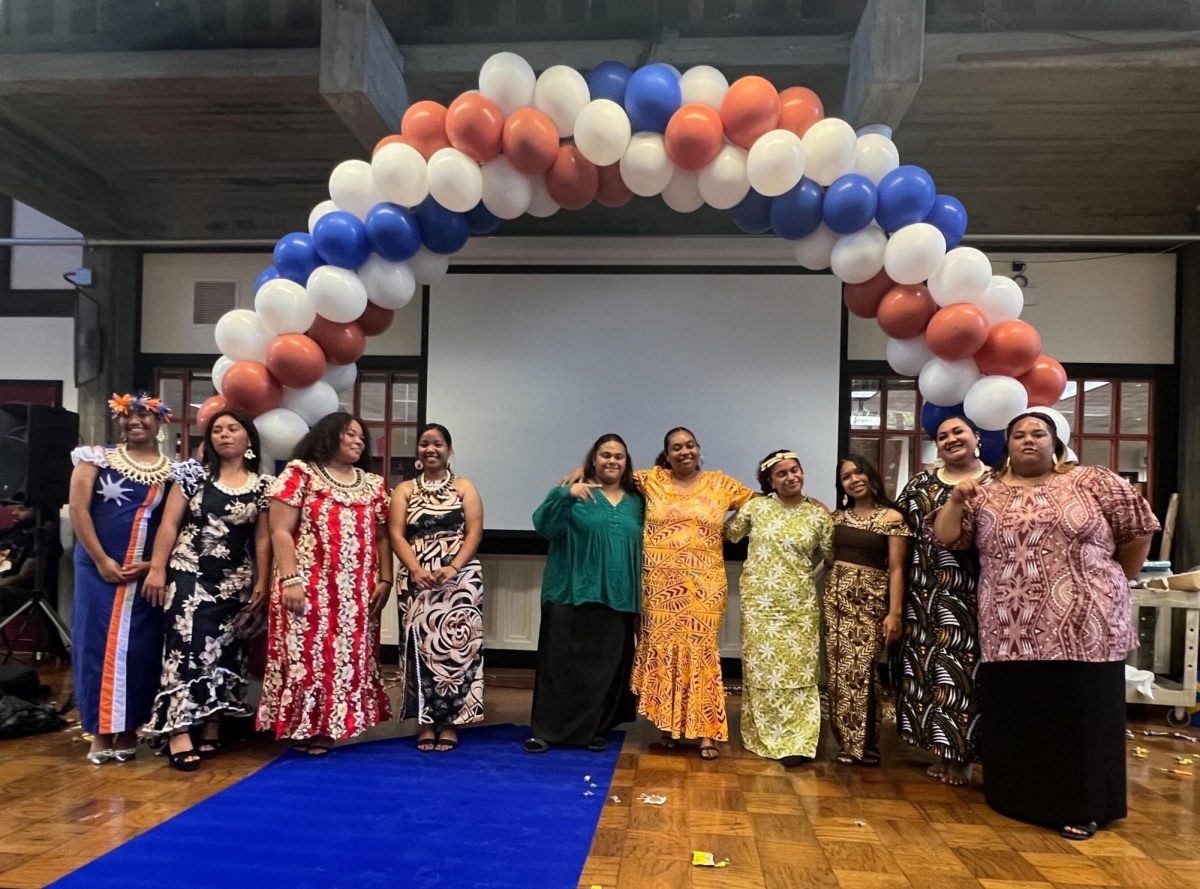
x=978 y=452
x=418 y=465
x=162 y=435
x=249 y=455
x=939 y=463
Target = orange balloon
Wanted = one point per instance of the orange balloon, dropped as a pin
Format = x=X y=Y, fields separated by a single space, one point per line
x=375 y=319
x=863 y=299
x=905 y=310
x=749 y=109
x=1044 y=382
x=612 y=190
x=211 y=407
x=295 y=360
x=1010 y=350
x=341 y=343
x=694 y=136
x=425 y=124
x=474 y=125
x=530 y=141
x=249 y=387
x=799 y=109
x=957 y=331
x=573 y=179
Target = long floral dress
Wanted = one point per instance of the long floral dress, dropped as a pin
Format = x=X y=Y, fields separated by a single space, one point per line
x=210 y=576
x=322 y=676
x=677 y=667
x=443 y=627
x=781 y=624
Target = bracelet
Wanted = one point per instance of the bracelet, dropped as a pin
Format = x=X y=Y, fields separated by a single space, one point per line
x=388 y=580
x=292 y=580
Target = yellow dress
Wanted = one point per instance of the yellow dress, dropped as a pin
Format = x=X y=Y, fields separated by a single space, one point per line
x=677 y=669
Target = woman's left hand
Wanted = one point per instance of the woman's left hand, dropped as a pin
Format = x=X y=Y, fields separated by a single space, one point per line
x=379 y=597
x=445 y=574
x=892 y=625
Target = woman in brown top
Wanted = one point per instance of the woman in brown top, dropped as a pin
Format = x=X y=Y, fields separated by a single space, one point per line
x=863 y=599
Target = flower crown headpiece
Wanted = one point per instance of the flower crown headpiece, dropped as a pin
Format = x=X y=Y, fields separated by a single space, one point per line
x=134 y=402
x=777 y=458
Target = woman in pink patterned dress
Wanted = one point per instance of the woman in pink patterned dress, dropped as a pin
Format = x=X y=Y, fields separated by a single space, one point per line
x=1057 y=545
x=334 y=563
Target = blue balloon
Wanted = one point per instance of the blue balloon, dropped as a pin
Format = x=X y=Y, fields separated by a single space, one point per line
x=392 y=232
x=270 y=273
x=607 y=81
x=949 y=217
x=442 y=230
x=796 y=213
x=481 y=221
x=652 y=95
x=341 y=239
x=934 y=415
x=850 y=204
x=753 y=214
x=991 y=446
x=905 y=196
x=296 y=257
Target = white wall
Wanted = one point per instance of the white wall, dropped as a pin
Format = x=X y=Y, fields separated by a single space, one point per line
x=40 y=349
x=41 y=268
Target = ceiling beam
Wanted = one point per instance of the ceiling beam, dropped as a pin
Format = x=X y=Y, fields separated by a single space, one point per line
x=886 y=61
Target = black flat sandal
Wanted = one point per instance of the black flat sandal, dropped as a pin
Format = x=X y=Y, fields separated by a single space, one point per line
x=181 y=762
x=598 y=745
x=535 y=745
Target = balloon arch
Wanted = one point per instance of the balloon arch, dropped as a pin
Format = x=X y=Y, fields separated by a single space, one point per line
x=526 y=143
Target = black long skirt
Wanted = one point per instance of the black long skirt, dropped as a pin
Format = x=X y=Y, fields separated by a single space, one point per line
x=585 y=654
x=1054 y=740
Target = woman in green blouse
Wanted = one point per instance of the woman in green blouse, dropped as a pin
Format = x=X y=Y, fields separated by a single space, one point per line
x=591 y=591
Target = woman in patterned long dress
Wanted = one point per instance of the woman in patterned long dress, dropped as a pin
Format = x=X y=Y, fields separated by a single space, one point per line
x=436 y=523
x=115 y=500
x=863 y=601
x=936 y=706
x=677 y=667
x=333 y=570
x=790 y=536
x=211 y=553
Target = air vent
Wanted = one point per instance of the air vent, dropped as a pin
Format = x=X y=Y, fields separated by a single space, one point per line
x=212 y=299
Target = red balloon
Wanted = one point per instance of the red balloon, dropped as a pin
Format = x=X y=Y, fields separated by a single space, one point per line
x=248 y=387
x=694 y=136
x=1044 y=382
x=573 y=180
x=1010 y=350
x=341 y=343
x=211 y=407
x=474 y=125
x=375 y=319
x=799 y=109
x=612 y=190
x=905 y=310
x=295 y=360
x=424 y=123
x=863 y=299
x=957 y=331
x=530 y=141
x=749 y=109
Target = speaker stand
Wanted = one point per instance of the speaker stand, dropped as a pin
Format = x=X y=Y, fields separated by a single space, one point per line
x=35 y=603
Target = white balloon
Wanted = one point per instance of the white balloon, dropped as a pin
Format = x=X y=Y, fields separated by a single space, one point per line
x=390 y=285
x=1072 y=457
x=1061 y=426
x=338 y=294
x=284 y=306
x=454 y=180
x=428 y=266
x=775 y=163
x=705 y=85
x=561 y=93
x=506 y=190
x=907 y=357
x=340 y=376
x=645 y=167
x=858 y=257
x=311 y=402
x=947 y=382
x=724 y=182
x=508 y=80
x=221 y=365
x=815 y=251
x=875 y=156
x=541 y=204
x=352 y=187
x=242 y=336
x=279 y=431
x=400 y=174
x=602 y=132
x=1002 y=301
x=682 y=193
x=962 y=277
x=913 y=254
x=993 y=401
x=831 y=150
x=318 y=211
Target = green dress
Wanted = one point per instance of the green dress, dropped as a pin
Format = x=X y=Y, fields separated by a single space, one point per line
x=781 y=636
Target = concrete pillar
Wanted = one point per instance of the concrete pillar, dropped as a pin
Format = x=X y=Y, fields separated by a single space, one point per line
x=114 y=286
x=1187 y=537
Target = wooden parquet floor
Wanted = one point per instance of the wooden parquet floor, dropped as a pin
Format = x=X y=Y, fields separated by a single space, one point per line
x=822 y=825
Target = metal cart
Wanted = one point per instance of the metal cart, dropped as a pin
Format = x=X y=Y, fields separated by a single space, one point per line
x=1177 y=695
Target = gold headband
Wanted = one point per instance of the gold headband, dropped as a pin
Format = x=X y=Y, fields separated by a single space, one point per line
x=776 y=458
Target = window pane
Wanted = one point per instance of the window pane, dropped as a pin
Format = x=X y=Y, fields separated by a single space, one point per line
x=867 y=447
x=1096 y=452
x=1097 y=406
x=896 y=459
x=1134 y=463
x=902 y=404
x=1067 y=404
x=404 y=400
x=170 y=390
x=202 y=390
x=864 y=404
x=1135 y=408
x=403 y=460
x=378 y=448
x=346 y=400
x=372 y=395
x=172 y=445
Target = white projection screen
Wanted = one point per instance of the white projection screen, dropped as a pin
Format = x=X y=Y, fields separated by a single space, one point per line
x=528 y=369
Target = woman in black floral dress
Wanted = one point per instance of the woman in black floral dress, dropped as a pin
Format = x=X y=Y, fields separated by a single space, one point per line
x=211 y=561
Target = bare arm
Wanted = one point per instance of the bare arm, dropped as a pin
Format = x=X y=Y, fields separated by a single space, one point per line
x=154 y=589
x=397 y=526
x=83 y=482
x=1131 y=554
x=284 y=520
x=24 y=574
x=897 y=555
x=947 y=521
x=262 y=561
x=383 y=585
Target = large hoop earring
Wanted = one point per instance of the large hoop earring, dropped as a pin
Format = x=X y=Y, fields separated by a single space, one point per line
x=418 y=465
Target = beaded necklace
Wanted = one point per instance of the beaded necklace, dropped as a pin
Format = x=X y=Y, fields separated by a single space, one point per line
x=146 y=474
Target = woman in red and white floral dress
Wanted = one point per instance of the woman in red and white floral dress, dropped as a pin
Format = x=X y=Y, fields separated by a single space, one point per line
x=334 y=563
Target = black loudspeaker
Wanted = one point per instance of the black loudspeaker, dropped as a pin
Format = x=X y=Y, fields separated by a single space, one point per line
x=35 y=453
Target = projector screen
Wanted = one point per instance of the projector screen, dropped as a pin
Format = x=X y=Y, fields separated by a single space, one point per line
x=527 y=370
